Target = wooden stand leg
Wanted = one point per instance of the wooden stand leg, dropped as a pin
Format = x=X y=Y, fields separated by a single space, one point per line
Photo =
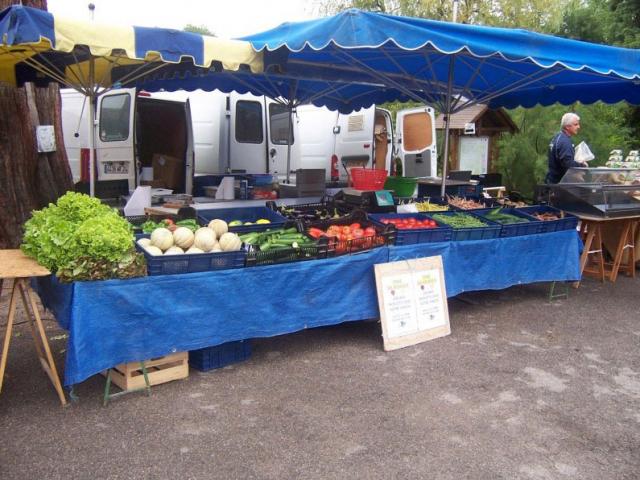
x=622 y=244
x=47 y=363
x=587 y=233
x=8 y=333
x=593 y=247
x=32 y=326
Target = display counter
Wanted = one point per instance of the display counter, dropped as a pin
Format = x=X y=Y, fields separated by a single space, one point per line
x=599 y=192
x=117 y=321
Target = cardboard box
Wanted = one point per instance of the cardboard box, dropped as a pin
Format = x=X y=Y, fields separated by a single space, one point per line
x=169 y=171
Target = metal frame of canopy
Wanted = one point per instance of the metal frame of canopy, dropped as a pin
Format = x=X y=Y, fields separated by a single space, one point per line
x=451 y=65
x=94 y=58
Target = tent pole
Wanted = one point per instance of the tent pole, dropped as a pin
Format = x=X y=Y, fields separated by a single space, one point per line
x=92 y=140
x=447 y=122
x=289 y=139
x=293 y=87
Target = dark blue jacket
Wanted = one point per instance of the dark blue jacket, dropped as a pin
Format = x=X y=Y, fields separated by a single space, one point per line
x=561 y=158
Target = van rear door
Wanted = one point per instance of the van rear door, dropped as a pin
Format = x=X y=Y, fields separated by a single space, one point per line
x=354 y=140
x=278 y=139
x=316 y=139
x=247 y=142
x=114 y=137
x=416 y=141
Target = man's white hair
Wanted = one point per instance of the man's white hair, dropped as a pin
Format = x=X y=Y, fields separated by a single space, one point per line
x=568 y=119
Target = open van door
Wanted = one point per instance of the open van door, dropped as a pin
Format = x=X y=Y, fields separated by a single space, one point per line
x=164 y=141
x=114 y=138
x=382 y=140
x=416 y=141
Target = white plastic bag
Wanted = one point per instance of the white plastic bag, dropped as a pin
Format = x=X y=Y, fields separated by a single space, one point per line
x=583 y=153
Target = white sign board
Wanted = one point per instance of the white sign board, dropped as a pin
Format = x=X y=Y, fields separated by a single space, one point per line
x=474 y=154
x=46 y=138
x=412 y=301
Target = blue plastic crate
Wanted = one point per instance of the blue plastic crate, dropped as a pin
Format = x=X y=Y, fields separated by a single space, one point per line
x=531 y=226
x=441 y=233
x=209 y=358
x=567 y=222
x=191 y=262
x=492 y=230
x=247 y=214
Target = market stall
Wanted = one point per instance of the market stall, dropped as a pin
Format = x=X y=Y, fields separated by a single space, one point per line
x=116 y=321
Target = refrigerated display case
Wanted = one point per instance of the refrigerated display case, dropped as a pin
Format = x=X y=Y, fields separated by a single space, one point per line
x=601 y=192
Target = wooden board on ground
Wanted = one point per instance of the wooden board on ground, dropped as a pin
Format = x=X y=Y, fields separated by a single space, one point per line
x=128 y=376
x=412 y=301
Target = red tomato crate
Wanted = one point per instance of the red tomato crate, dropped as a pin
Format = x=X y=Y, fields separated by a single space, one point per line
x=384 y=234
x=439 y=233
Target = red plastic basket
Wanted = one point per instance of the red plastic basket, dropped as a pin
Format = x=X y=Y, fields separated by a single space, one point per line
x=368 y=178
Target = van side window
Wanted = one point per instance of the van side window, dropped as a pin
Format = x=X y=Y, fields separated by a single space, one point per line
x=279 y=123
x=249 y=122
x=114 y=117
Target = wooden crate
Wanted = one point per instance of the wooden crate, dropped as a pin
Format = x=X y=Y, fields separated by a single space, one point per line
x=128 y=376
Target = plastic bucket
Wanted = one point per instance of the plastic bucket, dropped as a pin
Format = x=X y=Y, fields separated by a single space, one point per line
x=402 y=186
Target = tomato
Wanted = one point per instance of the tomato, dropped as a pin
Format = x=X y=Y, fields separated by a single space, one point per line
x=358 y=233
x=354 y=226
x=369 y=232
x=346 y=230
x=315 y=232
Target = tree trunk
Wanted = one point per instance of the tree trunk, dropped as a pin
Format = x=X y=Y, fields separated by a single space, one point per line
x=28 y=180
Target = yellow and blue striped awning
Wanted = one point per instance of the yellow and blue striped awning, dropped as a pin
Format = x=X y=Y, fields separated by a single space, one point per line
x=86 y=55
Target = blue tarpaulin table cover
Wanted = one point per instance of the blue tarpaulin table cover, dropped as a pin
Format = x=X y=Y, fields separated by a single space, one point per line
x=116 y=321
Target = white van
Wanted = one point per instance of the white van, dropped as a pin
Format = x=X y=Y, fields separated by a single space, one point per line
x=365 y=138
x=166 y=138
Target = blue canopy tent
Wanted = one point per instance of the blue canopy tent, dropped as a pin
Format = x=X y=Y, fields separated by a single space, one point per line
x=449 y=65
x=93 y=58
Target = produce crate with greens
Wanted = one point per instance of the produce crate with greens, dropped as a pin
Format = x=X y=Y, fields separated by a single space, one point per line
x=514 y=223
x=467 y=226
x=282 y=245
x=79 y=238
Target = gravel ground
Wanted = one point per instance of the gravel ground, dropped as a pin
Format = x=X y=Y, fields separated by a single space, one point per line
x=523 y=388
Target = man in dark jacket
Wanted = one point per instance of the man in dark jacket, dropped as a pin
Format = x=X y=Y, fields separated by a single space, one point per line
x=561 y=150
